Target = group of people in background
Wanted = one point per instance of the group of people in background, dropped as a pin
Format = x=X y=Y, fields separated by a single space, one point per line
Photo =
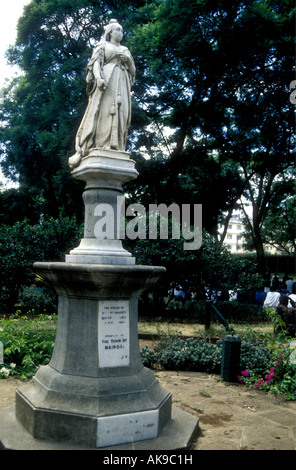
x=280 y=295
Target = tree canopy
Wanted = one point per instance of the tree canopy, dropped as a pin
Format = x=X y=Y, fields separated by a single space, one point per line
x=212 y=120
x=43 y=108
x=217 y=73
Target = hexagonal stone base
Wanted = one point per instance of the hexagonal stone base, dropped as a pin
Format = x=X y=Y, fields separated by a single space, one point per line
x=179 y=434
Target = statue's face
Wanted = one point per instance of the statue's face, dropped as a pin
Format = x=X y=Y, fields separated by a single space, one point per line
x=116 y=32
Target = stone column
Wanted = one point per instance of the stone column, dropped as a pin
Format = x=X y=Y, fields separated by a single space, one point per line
x=104 y=172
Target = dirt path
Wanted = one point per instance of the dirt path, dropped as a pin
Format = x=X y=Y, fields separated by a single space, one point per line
x=231 y=416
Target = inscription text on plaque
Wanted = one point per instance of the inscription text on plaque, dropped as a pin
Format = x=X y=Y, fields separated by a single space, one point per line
x=114 y=333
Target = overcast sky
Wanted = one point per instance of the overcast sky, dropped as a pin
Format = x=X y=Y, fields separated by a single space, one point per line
x=10 y=14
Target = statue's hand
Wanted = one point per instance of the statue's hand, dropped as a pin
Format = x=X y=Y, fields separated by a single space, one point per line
x=101 y=83
x=74 y=161
x=123 y=58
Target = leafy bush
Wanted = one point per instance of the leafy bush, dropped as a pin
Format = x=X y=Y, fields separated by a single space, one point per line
x=199 y=354
x=23 y=244
x=28 y=344
x=38 y=300
x=265 y=366
x=254 y=355
x=241 y=311
x=195 y=311
x=183 y=354
x=279 y=376
x=279 y=373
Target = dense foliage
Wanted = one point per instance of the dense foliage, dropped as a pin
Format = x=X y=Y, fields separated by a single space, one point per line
x=27 y=344
x=203 y=272
x=22 y=244
x=267 y=364
x=216 y=70
x=279 y=375
x=211 y=107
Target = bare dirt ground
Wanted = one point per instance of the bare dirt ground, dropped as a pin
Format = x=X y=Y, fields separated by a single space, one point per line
x=231 y=416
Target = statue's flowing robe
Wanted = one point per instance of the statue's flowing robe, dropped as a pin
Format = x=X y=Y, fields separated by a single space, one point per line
x=107 y=118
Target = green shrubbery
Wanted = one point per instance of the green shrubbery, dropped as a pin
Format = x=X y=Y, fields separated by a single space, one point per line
x=242 y=312
x=37 y=300
x=279 y=374
x=201 y=355
x=195 y=311
x=266 y=366
x=20 y=246
x=184 y=354
x=269 y=365
x=27 y=344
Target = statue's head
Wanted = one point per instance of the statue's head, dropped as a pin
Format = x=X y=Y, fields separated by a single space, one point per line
x=113 y=24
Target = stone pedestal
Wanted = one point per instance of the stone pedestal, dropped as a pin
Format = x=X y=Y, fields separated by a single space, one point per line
x=95 y=392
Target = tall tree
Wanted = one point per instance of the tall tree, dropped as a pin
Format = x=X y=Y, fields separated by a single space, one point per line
x=216 y=79
x=211 y=100
x=43 y=108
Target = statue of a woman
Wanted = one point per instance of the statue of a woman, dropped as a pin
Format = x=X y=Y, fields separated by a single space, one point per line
x=110 y=74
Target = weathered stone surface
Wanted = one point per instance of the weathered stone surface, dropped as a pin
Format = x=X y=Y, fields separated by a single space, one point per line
x=104 y=172
x=179 y=434
x=68 y=396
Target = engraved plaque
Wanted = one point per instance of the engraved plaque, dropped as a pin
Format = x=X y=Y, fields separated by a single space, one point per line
x=120 y=429
x=114 y=333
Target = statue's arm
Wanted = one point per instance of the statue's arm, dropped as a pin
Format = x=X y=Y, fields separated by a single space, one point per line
x=126 y=58
x=99 y=74
x=131 y=66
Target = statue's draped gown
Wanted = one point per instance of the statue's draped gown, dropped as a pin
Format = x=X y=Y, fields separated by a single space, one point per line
x=107 y=118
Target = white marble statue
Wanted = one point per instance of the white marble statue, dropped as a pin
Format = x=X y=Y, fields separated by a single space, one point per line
x=110 y=74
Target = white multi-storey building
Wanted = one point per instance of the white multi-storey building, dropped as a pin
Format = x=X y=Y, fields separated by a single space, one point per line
x=234 y=239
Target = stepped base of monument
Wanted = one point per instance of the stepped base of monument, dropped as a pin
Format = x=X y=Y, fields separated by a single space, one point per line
x=179 y=434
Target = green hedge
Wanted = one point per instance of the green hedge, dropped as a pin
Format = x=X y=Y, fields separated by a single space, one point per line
x=23 y=244
x=198 y=354
x=28 y=344
x=236 y=311
x=275 y=263
x=195 y=311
